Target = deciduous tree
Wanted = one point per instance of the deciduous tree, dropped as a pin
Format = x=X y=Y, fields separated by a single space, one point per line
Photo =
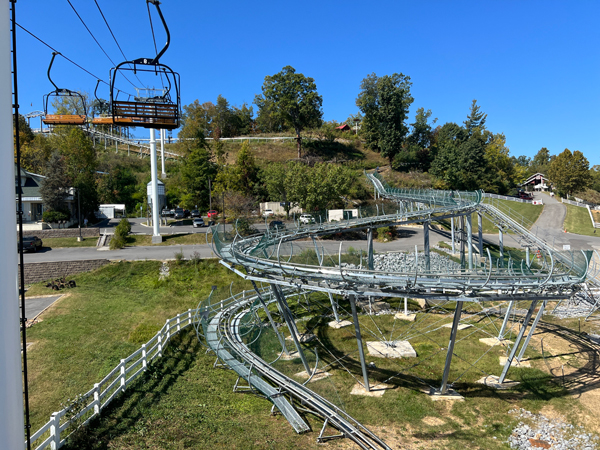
x=569 y=172
x=290 y=99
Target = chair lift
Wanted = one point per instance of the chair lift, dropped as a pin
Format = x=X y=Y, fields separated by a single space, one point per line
x=62 y=119
x=157 y=109
x=105 y=117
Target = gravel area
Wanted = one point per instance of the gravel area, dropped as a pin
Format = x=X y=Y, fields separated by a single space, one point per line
x=580 y=305
x=537 y=431
x=405 y=262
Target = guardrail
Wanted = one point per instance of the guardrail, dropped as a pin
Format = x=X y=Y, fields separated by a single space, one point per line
x=583 y=205
x=571 y=202
x=89 y=405
x=505 y=197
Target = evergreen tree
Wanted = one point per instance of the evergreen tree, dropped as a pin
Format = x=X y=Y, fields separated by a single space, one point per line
x=55 y=187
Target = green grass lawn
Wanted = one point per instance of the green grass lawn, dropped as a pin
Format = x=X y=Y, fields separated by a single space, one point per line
x=70 y=242
x=169 y=239
x=578 y=221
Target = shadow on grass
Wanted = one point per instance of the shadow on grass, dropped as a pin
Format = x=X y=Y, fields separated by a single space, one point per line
x=127 y=409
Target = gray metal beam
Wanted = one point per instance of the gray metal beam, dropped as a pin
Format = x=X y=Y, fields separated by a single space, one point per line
x=469 y=241
x=426 y=245
x=532 y=329
x=361 y=352
x=453 y=332
x=370 y=263
x=480 y=233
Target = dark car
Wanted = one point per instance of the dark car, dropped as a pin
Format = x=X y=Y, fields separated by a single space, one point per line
x=179 y=214
x=31 y=244
x=195 y=213
x=198 y=222
x=186 y=213
x=277 y=225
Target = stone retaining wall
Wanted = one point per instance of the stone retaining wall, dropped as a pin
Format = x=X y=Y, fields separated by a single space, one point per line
x=35 y=272
x=63 y=233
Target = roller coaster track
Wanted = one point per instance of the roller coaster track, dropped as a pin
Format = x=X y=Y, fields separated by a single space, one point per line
x=269 y=258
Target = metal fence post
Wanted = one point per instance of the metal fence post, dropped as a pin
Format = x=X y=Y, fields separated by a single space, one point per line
x=178 y=324
x=144 y=359
x=55 y=431
x=159 y=345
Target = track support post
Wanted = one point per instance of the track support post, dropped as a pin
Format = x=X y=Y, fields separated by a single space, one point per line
x=361 y=352
x=455 y=322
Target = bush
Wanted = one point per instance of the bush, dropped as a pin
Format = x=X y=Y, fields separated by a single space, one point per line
x=56 y=216
x=385 y=234
x=123 y=229
x=117 y=242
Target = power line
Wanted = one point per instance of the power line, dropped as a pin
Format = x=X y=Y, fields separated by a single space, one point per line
x=96 y=40
x=68 y=59
x=114 y=37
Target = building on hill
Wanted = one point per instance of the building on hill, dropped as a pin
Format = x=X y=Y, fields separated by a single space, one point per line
x=536 y=182
x=33 y=206
x=343 y=127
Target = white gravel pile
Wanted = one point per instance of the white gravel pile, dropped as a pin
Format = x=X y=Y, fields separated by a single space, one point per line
x=536 y=431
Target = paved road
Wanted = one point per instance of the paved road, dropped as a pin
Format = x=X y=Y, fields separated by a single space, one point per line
x=34 y=306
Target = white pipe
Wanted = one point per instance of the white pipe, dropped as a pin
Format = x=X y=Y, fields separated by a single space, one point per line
x=12 y=424
x=155 y=206
x=162 y=154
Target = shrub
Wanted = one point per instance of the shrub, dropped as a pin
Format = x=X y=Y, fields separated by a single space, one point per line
x=117 y=242
x=56 y=216
x=123 y=229
x=385 y=234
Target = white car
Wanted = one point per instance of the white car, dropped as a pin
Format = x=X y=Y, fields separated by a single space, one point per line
x=307 y=218
x=268 y=213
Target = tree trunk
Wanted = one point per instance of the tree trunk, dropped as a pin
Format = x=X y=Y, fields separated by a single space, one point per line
x=299 y=145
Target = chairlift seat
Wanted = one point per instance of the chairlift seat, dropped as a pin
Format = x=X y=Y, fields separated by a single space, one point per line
x=64 y=119
x=146 y=114
x=109 y=120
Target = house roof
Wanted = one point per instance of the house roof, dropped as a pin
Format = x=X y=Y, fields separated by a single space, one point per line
x=343 y=127
x=535 y=177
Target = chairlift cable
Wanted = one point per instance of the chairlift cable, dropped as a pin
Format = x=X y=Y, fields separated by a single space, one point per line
x=154 y=40
x=96 y=40
x=68 y=59
x=114 y=37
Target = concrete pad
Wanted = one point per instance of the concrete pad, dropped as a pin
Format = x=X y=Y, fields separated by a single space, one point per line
x=451 y=395
x=303 y=338
x=320 y=375
x=408 y=317
x=461 y=326
x=515 y=363
x=376 y=390
x=292 y=355
x=393 y=349
x=375 y=306
x=157 y=239
x=492 y=381
x=495 y=341
x=340 y=324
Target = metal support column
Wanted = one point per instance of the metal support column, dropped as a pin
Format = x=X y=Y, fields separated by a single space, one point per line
x=271 y=321
x=452 y=234
x=532 y=329
x=156 y=237
x=162 y=154
x=470 y=241
x=480 y=233
x=334 y=307
x=287 y=315
x=505 y=321
x=370 y=263
x=527 y=257
x=361 y=352
x=513 y=351
x=426 y=245
x=455 y=323
x=501 y=246
x=461 y=238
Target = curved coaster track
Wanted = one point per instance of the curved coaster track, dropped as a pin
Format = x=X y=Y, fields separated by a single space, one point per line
x=291 y=270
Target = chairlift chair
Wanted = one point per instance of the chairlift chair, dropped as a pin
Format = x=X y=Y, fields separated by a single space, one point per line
x=62 y=119
x=152 y=111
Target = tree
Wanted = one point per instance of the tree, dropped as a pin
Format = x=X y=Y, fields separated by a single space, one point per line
x=384 y=102
x=541 y=161
x=475 y=120
x=569 y=172
x=290 y=99
x=55 y=187
x=196 y=170
x=275 y=178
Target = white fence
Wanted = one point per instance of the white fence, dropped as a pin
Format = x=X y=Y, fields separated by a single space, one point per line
x=583 y=205
x=571 y=202
x=89 y=405
x=504 y=197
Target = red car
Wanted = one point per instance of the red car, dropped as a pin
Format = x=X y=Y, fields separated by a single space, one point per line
x=212 y=213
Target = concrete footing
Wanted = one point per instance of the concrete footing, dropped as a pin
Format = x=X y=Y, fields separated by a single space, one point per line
x=320 y=375
x=303 y=338
x=290 y=356
x=393 y=349
x=515 y=363
x=450 y=395
x=461 y=326
x=157 y=239
x=407 y=317
x=340 y=324
x=376 y=390
x=495 y=341
x=492 y=381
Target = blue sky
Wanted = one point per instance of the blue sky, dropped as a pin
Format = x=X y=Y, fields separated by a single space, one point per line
x=533 y=66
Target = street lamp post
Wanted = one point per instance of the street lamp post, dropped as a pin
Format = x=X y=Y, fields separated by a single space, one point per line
x=79 y=239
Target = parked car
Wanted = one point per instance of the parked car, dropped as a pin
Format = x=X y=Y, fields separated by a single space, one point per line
x=179 y=214
x=212 y=213
x=307 y=218
x=186 y=213
x=198 y=222
x=277 y=225
x=167 y=212
x=195 y=213
x=31 y=244
x=268 y=213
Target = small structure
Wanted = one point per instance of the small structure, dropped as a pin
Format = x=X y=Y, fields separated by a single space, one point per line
x=162 y=197
x=537 y=182
x=111 y=211
x=278 y=208
x=344 y=127
x=342 y=214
